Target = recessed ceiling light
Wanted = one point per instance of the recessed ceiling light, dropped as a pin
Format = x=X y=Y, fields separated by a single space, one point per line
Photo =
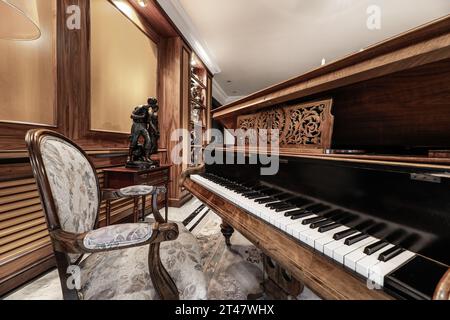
x=229 y=81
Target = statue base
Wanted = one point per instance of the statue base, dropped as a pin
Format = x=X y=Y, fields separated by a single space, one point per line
x=142 y=165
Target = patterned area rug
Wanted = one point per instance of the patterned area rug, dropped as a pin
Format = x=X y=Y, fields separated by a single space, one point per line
x=232 y=273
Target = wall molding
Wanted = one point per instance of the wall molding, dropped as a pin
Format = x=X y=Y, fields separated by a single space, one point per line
x=181 y=19
x=220 y=95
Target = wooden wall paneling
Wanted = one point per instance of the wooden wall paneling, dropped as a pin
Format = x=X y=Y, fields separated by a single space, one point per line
x=156 y=18
x=209 y=98
x=73 y=69
x=169 y=97
x=186 y=54
x=174 y=81
x=24 y=240
x=36 y=260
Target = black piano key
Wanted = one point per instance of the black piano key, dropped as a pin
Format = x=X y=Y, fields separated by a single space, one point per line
x=250 y=191
x=271 y=192
x=321 y=224
x=280 y=196
x=329 y=227
x=302 y=215
x=300 y=202
x=365 y=225
x=376 y=229
x=371 y=249
x=294 y=212
x=287 y=198
x=255 y=195
x=318 y=208
x=348 y=220
x=276 y=205
x=396 y=237
x=285 y=208
x=336 y=215
x=344 y=234
x=253 y=192
x=312 y=220
x=279 y=204
x=390 y=254
x=264 y=200
x=355 y=239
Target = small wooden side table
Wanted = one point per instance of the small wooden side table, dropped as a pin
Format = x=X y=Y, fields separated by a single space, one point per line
x=121 y=177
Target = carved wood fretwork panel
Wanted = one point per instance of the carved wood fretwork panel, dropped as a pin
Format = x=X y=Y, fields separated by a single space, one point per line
x=307 y=126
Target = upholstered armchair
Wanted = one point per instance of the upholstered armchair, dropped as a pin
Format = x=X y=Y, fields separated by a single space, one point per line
x=128 y=261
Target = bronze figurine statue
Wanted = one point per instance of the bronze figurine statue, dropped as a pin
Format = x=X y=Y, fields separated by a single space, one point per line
x=145 y=126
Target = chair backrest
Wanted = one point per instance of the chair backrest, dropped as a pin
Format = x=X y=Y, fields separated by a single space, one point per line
x=67 y=181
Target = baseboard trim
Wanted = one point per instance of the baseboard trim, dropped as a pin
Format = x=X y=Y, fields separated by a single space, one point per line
x=178 y=203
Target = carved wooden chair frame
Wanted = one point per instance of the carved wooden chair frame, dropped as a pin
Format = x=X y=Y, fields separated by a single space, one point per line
x=65 y=243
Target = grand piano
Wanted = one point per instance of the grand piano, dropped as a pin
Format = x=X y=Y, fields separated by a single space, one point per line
x=360 y=205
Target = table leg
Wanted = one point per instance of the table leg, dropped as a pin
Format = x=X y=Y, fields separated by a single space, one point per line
x=136 y=210
x=166 y=203
x=108 y=212
x=143 y=208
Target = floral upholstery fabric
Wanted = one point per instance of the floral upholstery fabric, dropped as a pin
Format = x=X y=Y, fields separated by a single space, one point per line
x=73 y=185
x=124 y=274
x=136 y=191
x=117 y=236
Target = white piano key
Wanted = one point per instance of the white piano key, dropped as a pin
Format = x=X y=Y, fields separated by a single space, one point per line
x=311 y=235
x=329 y=248
x=298 y=228
x=351 y=258
x=282 y=221
x=320 y=243
x=340 y=253
x=379 y=271
x=363 y=265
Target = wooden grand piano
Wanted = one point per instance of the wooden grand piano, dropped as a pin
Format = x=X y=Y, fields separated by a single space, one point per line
x=360 y=206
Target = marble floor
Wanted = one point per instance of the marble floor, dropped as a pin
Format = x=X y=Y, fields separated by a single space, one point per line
x=231 y=273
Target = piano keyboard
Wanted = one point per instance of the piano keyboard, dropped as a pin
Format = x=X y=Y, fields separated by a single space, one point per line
x=318 y=226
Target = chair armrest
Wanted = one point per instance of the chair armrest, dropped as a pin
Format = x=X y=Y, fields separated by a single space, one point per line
x=133 y=191
x=116 y=237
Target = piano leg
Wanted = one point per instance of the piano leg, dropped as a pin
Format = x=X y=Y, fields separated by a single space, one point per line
x=227 y=232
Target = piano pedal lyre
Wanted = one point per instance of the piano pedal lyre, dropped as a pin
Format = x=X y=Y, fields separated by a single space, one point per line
x=279 y=284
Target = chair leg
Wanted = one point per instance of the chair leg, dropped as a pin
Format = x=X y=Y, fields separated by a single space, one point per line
x=163 y=283
x=62 y=263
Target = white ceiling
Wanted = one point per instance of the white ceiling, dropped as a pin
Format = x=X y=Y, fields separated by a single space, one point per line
x=257 y=43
